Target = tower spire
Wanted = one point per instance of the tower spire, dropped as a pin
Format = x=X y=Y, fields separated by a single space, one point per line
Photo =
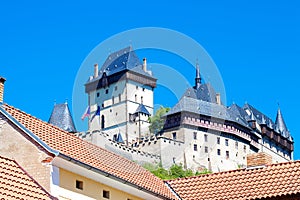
x=198 y=76
x=279 y=123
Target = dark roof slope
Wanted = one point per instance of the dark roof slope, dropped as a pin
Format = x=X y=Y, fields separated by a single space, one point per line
x=272 y=181
x=204 y=92
x=62 y=118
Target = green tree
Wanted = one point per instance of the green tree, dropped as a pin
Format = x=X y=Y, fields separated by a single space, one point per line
x=175 y=171
x=156 y=121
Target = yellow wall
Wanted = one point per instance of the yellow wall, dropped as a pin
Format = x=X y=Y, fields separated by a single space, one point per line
x=91 y=188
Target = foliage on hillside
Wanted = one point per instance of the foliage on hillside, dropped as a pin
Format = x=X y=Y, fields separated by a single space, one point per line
x=156 y=121
x=175 y=171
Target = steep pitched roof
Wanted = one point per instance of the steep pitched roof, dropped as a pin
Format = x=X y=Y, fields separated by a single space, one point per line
x=142 y=109
x=280 y=124
x=271 y=181
x=204 y=92
x=61 y=117
x=16 y=183
x=69 y=145
x=122 y=60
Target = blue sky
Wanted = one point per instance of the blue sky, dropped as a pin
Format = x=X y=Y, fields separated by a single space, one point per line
x=255 y=45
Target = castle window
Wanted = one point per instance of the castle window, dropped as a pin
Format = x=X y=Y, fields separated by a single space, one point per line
x=245 y=148
x=205 y=149
x=98 y=94
x=103 y=105
x=79 y=185
x=142 y=100
x=226 y=142
x=143 y=89
x=119 y=97
x=113 y=99
x=174 y=135
x=137 y=87
x=218 y=140
x=219 y=152
x=102 y=122
x=116 y=88
x=195 y=147
x=227 y=154
x=236 y=144
x=106 y=91
x=106 y=194
x=195 y=135
x=205 y=137
x=135 y=98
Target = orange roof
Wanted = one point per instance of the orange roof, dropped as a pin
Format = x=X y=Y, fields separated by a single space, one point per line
x=92 y=155
x=15 y=183
x=272 y=181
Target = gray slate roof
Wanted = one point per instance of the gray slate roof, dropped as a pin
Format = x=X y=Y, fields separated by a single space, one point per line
x=122 y=60
x=201 y=107
x=205 y=93
x=142 y=109
x=280 y=124
x=61 y=117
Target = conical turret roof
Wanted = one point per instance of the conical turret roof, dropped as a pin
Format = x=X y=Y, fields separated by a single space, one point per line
x=62 y=118
x=280 y=124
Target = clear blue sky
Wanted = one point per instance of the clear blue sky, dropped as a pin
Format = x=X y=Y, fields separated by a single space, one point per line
x=255 y=44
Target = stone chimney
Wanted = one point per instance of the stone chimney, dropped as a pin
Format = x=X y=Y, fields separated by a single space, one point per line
x=258 y=159
x=2 y=80
x=145 y=64
x=218 y=98
x=96 y=71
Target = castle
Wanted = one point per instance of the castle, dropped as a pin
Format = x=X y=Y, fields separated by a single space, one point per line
x=199 y=131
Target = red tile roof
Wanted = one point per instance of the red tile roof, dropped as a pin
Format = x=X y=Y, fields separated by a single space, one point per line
x=272 y=181
x=76 y=148
x=15 y=183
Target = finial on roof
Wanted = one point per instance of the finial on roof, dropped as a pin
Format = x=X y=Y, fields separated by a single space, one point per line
x=198 y=76
x=263 y=120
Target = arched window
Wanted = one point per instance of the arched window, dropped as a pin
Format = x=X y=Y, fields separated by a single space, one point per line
x=102 y=122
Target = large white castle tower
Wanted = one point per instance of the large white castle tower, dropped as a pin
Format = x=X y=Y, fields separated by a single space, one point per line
x=120 y=97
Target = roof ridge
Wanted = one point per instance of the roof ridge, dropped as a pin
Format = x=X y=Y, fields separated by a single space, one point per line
x=235 y=170
x=77 y=138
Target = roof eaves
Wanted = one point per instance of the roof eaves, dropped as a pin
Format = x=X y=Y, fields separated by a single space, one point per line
x=104 y=173
x=29 y=133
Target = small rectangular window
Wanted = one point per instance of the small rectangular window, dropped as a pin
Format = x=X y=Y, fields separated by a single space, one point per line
x=226 y=142
x=98 y=94
x=205 y=138
x=206 y=149
x=219 y=152
x=79 y=185
x=245 y=148
x=142 y=100
x=106 y=194
x=218 y=140
x=227 y=154
x=195 y=147
x=106 y=91
x=236 y=144
x=120 y=98
x=174 y=135
x=195 y=135
x=116 y=88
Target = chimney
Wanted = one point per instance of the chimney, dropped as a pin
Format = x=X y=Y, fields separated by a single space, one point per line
x=218 y=98
x=95 y=70
x=2 y=80
x=258 y=159
x=145 y=65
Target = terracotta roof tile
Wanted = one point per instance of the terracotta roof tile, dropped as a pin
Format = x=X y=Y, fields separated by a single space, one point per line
x=76 y=148
x=15 y=183
x=271 y=181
